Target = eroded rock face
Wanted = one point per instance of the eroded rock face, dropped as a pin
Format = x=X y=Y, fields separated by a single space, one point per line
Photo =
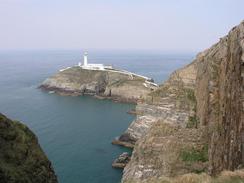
x=159 y=132
x=194 y=121
x=164 y=150
x=21 y=157
x=219 y=94
x=170 y=103
x=108 y=84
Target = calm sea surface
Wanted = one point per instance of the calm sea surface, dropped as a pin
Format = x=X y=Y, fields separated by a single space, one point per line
x=75 y=132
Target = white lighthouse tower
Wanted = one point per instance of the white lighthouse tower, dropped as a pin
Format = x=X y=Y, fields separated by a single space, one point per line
x=85 y=59
x=92 y=66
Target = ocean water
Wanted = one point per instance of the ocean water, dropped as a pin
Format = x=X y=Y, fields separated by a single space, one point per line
x=75 y=132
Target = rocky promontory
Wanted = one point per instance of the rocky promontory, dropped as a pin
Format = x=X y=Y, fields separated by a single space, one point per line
x=21 y=157
x=114 y=84
x=191 y=127
x=172 y=102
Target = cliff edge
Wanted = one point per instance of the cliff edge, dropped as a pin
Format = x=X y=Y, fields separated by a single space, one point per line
x=192 y=125
x=21 y=157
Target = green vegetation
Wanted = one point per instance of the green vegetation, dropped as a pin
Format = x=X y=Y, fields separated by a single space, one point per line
x=194 y=155
x=21 y=158
x=118 y=83
x=121 y=82
x=190 y=94
x=193 y=122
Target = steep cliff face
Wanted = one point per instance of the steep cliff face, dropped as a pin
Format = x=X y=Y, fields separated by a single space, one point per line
x=219 y=94
x=108 y=83
x=21 y=157
x=194 y=122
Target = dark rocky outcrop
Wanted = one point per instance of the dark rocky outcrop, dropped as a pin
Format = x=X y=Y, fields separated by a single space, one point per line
x=21 y=157
x=193 y=123
x=121 y=161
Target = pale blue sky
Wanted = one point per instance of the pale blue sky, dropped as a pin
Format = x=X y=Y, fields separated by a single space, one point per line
x=172 y=25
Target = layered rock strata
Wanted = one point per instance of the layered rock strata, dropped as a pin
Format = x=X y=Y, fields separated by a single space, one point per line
x=163 y=130
x=173 y=103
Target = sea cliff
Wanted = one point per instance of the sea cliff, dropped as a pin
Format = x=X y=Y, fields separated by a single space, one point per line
x=114 y=84
x=21 y=157
x=192 y=125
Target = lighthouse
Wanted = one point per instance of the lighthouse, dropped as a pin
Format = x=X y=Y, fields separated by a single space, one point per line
x=85 y=59
x=92 y=66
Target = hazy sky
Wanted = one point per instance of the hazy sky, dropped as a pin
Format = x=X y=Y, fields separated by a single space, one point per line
x=169 y=25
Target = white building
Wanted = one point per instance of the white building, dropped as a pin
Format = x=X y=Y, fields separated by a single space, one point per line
x=86 y=65
x=148 y=81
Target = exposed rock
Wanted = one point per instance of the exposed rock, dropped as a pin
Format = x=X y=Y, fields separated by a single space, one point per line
x=167 y=150
x=122 y=87
x=21 y=157
x=121 y=161
x=125 y=141
x=225 y=177
x=159 y=131
x=219 y=94
x=170 y=103
x=194 y=122
x=132 y=112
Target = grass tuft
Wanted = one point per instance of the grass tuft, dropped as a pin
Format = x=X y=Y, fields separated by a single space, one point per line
x=194 y=155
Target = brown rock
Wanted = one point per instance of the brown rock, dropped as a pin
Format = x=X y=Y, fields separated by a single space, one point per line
x=198 y=117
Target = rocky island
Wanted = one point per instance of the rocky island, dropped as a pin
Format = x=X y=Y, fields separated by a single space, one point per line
x=190 y=129
x=100 y=81
x=21 y=157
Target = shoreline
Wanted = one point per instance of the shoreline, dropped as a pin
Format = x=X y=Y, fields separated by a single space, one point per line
x=75 y=93
x=123 y=143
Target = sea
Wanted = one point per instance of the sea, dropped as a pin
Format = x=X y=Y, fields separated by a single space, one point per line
x=76 y=132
